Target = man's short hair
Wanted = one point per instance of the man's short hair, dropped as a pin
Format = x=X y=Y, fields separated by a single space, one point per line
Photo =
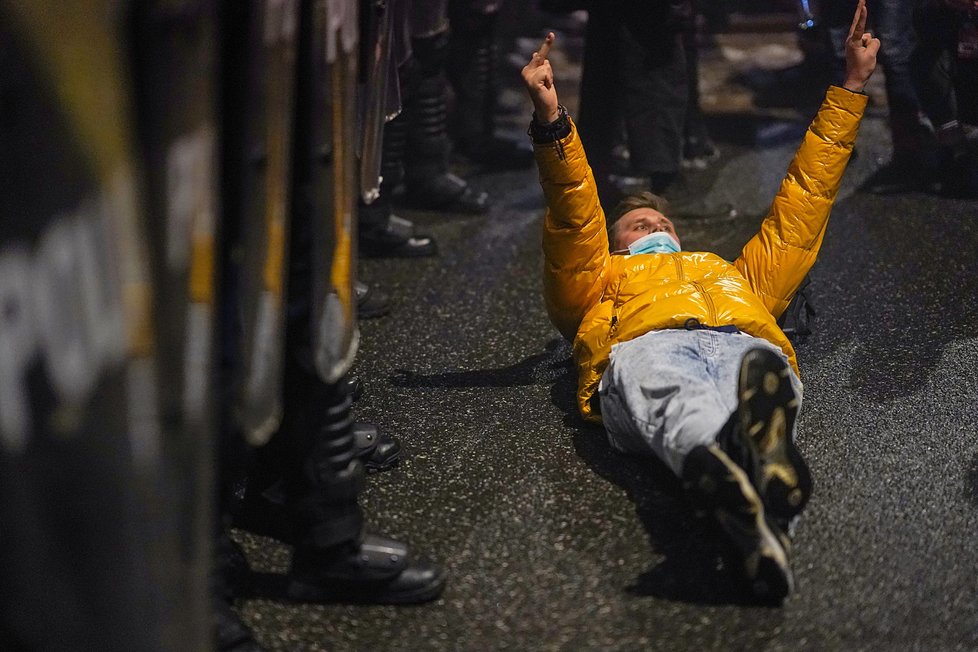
x=644 y=199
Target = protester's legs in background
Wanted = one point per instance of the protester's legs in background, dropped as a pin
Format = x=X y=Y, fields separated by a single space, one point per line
x=599 y=115
x=912 y=164
x=935 y=69
x=635 y=74
x=654 y=95
x=893 y=25
x=698 y=148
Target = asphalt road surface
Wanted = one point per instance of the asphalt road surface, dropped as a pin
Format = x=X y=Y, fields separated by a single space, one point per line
x=553 y=541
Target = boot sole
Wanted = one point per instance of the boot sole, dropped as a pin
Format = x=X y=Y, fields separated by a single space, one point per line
x=373 y=466
x=723 y=488
x=767 y=411
x=353 y=593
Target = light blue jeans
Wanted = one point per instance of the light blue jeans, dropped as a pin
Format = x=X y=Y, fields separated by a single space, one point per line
x=669 y=391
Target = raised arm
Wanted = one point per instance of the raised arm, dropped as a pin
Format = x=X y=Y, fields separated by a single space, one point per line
x=776 y=260
x=575 y=242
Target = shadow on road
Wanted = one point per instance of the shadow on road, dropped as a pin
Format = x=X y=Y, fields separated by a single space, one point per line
x=971 y=481
x=535 y=370
x=902 y=285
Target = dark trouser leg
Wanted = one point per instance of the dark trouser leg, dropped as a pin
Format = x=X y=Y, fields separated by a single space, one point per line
x=429 y=183
x=334 y=559
x=323 y=476
x=698 y=147
x=471 y=50
x=893 y=25
x=655 y=94
x=324 y=492
x=471 y=70
x=936 y=71
x=600 y=115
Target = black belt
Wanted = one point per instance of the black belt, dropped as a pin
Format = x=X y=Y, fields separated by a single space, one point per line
x=693 y=324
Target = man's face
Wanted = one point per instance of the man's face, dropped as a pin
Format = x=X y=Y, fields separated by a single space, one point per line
x=640 y=222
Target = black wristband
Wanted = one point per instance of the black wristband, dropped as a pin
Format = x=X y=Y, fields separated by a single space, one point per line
x=551 y=131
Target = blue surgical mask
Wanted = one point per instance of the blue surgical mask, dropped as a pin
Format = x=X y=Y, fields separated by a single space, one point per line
x=654 y=243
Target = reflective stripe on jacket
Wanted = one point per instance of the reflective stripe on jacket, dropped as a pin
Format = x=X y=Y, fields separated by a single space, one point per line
x=598 y=299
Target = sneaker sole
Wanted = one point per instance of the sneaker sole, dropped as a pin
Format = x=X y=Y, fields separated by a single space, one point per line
x=723 y=488
x=767 y=411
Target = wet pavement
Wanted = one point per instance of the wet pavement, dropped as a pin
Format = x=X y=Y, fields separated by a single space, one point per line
x=553 y=541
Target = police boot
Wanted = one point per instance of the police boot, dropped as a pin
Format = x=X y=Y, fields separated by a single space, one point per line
x=264 y=511
x=352 y=386
x=376 y=449
x=430 y=185
x=382 y=234
x=472 y=72
x=230 y=633
x=335 y=560
x=371 y=302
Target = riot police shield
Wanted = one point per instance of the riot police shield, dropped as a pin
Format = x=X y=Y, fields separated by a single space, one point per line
x=176 y=86
x=88 y=553
x=259 y=160
x=326 y=141
x=377 y=87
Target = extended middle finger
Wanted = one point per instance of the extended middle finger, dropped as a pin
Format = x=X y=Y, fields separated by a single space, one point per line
x=545 y=48
x=858 y=21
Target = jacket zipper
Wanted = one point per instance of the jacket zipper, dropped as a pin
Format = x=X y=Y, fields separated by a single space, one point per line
x=679 y=267
x=710 y=307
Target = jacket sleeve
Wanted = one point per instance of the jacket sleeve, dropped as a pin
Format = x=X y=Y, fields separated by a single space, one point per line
x=777 y=258
x=575 y=242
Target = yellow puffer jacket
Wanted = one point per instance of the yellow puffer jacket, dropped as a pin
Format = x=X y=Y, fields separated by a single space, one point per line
x=599 y=299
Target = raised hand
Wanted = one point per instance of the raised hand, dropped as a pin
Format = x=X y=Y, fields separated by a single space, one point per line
x=539 y=79
x=861 y=50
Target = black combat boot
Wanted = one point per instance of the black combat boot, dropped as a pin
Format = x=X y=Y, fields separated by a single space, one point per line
x=429 y=184
x=230 y=633
x=371 y=303
x=335 y=560
x=382 y=234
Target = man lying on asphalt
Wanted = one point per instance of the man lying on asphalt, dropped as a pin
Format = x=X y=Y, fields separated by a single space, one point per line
x=679 y=353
